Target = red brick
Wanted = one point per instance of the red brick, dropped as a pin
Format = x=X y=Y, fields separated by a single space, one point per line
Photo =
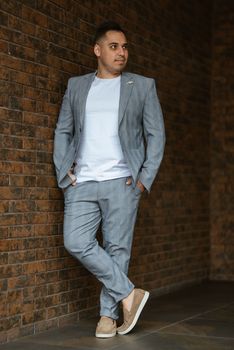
x=4 y=206
x=22 y=26
x=57 y=311
x=34 y=218
x=10 y=193
x=9 y=271
x=22 y=181
x=22 y=78
x=10 y=116
x=3 y=46
x=35 y=118
x=10 y=62
x=20 y=257
x=25 y=53
x=33 y=16
x=17 y=155
x=34 y=267
x=3 y=312
x=4 y=73
x=35 y=94
x=47 y=277
x=10 y=6
x=21 y=231
x=10 y=142
x=21 y=206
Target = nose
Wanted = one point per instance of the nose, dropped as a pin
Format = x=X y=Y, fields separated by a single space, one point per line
x=121 y=51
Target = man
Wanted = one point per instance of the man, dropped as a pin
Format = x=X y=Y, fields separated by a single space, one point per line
x=103 y=166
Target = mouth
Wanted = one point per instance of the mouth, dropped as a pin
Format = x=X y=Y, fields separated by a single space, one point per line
x=121 y=61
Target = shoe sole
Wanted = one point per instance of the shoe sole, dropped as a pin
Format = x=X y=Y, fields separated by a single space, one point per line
x=103 y=335
x=139 y=310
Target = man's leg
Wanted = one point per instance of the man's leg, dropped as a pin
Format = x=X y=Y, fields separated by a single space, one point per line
x=119 y=203
x=82 y=216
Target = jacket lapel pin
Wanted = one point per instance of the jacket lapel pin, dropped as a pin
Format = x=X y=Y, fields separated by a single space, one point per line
x=130 y=82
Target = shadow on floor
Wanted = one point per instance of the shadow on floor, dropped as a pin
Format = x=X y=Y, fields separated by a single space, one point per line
x=195 y=318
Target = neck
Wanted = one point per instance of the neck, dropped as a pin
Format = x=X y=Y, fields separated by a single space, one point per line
x=107 y=75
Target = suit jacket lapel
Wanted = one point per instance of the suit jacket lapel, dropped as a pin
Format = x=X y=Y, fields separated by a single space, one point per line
x=125 y=92
x=84 y=94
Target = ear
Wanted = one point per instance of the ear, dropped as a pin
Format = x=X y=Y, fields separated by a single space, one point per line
x=96 y=50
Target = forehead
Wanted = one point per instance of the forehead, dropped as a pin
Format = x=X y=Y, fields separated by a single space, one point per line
x=114 y=36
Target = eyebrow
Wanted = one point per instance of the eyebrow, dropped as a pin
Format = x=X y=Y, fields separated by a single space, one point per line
x=114 y=43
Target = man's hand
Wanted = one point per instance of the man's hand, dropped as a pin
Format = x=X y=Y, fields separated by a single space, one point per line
x=72 y=177
x=140 y=186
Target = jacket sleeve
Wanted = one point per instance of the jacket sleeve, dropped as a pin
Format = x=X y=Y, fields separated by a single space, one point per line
x=154 y=133
x=63 y=135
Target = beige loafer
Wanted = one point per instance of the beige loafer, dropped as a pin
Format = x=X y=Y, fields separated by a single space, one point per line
x=131 y=317
x=106 y=328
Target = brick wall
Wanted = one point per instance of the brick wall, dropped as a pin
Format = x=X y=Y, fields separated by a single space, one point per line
x=222 y=145
x=43 y=43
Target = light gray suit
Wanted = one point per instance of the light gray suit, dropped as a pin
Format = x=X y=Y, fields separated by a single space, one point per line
x=140 y=116
x=142 y=138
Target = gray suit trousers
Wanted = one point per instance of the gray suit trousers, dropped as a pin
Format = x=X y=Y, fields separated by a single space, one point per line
x=114 y=204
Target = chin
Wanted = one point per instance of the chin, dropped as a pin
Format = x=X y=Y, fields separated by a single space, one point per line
x=120 y=68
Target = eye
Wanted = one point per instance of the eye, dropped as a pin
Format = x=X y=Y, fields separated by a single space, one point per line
x=113 y=46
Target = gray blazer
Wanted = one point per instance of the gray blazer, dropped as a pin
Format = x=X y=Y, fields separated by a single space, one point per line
x=141 y=127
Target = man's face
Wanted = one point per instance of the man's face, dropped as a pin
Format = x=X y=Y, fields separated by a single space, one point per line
x=112 y=53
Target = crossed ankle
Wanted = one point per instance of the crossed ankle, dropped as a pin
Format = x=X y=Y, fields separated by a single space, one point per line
x=128 y=301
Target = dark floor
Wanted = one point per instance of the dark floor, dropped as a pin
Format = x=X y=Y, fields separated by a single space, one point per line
x=199 y=317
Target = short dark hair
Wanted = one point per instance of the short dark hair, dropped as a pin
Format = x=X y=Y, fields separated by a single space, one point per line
x=105 y=27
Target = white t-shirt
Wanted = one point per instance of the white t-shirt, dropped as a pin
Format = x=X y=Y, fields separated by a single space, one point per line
x=100 y=156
